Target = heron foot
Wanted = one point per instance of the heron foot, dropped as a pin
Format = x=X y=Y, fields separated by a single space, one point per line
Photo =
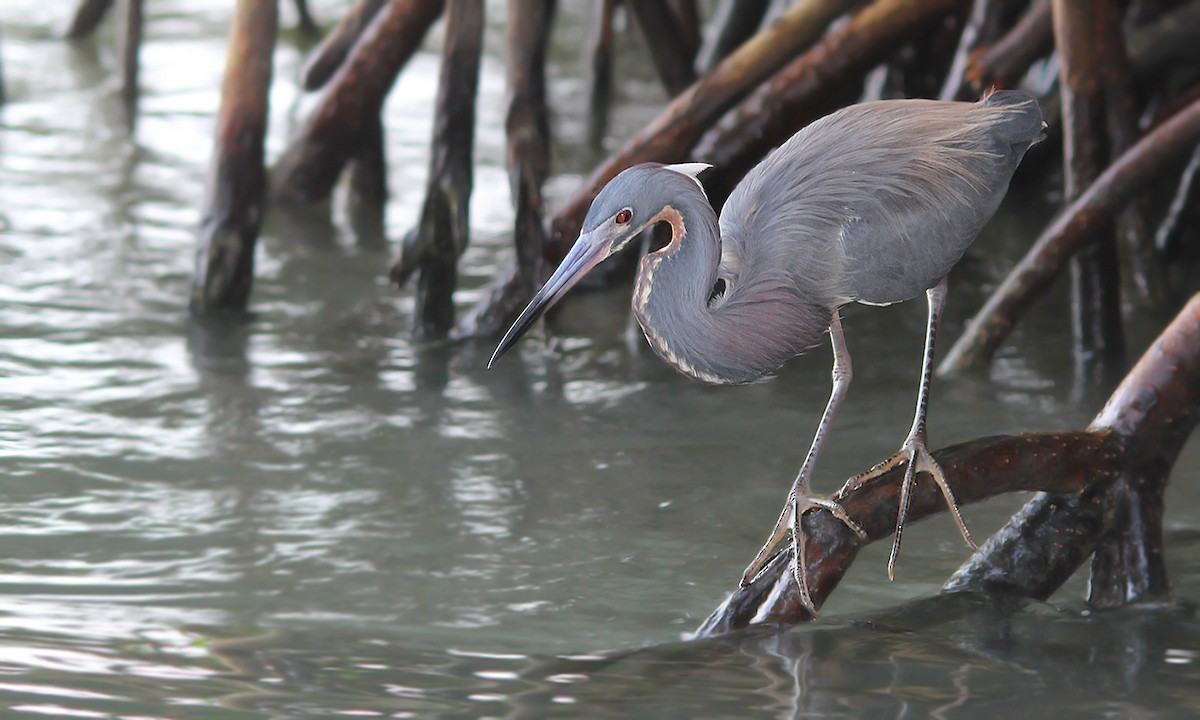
x=795 y=508
x=917 y=458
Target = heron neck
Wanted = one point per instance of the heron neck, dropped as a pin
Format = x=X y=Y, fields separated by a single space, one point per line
x=673 y=287
x=762 y=321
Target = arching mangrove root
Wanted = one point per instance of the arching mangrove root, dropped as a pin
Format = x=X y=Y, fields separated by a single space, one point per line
x=1098 y=477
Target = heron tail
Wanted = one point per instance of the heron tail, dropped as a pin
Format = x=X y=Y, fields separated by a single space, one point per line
x=1022 y=123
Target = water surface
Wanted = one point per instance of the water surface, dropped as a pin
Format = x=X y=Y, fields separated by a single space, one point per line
x=308 y=514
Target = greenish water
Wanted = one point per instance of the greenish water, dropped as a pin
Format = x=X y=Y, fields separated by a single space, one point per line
x=309 y=515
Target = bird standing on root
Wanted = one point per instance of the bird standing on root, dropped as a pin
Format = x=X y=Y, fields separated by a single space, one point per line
x=873 y=204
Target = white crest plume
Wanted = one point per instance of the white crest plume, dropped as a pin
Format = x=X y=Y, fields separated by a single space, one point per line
x=692 y=170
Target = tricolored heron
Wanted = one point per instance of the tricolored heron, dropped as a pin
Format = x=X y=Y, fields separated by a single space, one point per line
x=874 y=204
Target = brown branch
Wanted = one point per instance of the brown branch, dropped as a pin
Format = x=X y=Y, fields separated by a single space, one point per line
x=224 y=270
x=669 y=48
x=981 y=28
x=310 y=166
x=976 y=470
x=1150 y=47
x=304 y=17
x=1151 y=415
x=919 y=66
x=688 y=24
x=1134 y=234
x=1007 y=60
x=737 y=21
x=1170 y=38
x=131 y=46
x=1158 y=152
x=600 y=43
x=444 y=226
x=527 y=128
x=666 y=139
x=527 y=132
x=87 y=18
x=366 y=201
x=1143 y=426
x=333 y=50
x=1185 y=202
x=1079 y=28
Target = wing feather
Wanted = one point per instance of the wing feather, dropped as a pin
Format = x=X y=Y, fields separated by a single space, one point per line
x=876 y=202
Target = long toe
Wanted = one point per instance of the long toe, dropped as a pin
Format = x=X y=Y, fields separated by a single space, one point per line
x=875 y=471
x=838 y=512
x=800 y=544
x=764 y=554
x=919 y=460
x=789 y=522
x=800 y=567
x=915 y=455
x=923 y=461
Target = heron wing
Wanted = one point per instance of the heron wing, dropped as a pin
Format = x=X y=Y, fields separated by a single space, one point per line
x=878 y=201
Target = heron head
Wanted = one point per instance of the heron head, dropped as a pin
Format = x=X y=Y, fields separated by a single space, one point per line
x=629 y=203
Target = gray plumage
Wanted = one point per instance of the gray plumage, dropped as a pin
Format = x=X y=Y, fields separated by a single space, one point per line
x=874 y=203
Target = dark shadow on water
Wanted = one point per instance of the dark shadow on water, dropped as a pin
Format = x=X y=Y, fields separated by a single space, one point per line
x=305 y=227
x=948 y=656
x=217 y=348
x=217 y=344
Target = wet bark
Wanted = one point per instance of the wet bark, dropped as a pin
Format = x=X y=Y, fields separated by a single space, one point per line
x=1006 y=61
x=305 y=20
x=919 y=66
x=333 y=50
x=1169 y=39
x=309 y=168
x=982 y=27
x=527 y=133
x=131 y=47
x=1134 y=230
x=600 y=44
x=224 y=269
x=669 y=47
x=1124 y=453
x=1158 y=153
x=367 y=199
x=1150 y=47
x=976 y=470
x=1079 y=32
x=687 y=19
x=1183 y=208
x=88 y=16
x=441 y=236
x=1151 y=415
x=736 y=22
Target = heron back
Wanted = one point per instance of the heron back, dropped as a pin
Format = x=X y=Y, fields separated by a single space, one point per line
x=876 y=202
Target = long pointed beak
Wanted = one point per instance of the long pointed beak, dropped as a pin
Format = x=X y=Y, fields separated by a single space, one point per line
x=587 y=252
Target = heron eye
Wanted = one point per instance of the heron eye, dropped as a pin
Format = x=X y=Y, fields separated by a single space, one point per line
x=624 y=216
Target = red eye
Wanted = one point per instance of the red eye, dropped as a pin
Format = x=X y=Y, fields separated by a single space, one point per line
x=624 y=216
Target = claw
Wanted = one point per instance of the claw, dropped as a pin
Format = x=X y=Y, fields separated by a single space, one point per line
x=916 y=456
x=789 y=519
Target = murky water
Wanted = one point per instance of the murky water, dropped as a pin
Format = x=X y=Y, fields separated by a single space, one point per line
x=310 y=515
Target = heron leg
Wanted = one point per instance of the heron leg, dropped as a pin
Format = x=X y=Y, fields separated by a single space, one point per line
x=800 y=498
x=915 y=452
